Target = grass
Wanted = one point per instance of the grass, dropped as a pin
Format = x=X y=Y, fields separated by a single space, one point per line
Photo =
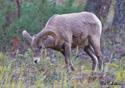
x=22 y=72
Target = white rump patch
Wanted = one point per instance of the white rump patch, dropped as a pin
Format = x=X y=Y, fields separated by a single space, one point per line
x=99 y=23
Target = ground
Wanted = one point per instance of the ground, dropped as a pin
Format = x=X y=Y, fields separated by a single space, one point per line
x=21 y=72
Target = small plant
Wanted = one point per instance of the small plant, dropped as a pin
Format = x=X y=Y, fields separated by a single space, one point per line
x=3 y=59
x=21 y=72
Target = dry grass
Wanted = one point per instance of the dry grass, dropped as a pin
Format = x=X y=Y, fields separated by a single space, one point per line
x=21 y=72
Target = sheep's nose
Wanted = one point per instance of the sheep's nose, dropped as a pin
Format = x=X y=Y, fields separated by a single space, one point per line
x=35 y=61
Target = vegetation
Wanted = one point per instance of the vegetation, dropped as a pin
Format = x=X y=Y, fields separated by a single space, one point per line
x=22 y=72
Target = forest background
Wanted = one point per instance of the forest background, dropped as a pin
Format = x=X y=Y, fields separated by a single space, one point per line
x=32 y=15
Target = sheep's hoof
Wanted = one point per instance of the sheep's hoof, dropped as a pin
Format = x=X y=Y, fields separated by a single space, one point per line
x=68 y=66
x=73 y=68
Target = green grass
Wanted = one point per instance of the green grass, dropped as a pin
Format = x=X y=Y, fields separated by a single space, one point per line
x=22 y=72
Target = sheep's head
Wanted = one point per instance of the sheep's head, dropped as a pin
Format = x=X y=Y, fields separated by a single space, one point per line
x=36 y=43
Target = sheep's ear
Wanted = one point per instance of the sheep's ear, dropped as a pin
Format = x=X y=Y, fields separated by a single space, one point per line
x=27 y=37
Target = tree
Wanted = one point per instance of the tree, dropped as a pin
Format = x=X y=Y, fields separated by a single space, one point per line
x=98 y=7
x=119 y=15
x=18 y=7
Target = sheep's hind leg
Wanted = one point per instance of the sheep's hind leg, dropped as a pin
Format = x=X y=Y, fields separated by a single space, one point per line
x=67 y=52
x=95 y=42
x=89 y=51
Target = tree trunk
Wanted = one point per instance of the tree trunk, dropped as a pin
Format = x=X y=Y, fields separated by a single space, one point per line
x=18 y=7
x=99 y=7
x=119 y=15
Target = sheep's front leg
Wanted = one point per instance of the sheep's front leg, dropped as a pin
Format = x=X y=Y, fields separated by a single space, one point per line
x=67 y=52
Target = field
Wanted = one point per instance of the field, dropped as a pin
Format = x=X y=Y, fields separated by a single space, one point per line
x=21 y=72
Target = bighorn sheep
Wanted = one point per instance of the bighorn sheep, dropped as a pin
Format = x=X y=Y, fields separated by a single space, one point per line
x=66 y=31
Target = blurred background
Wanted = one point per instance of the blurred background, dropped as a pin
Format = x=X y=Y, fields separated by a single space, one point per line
x=32 y=15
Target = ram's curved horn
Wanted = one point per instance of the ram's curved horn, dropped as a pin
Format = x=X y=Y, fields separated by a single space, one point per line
x=42 y=34
x=27 y=37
